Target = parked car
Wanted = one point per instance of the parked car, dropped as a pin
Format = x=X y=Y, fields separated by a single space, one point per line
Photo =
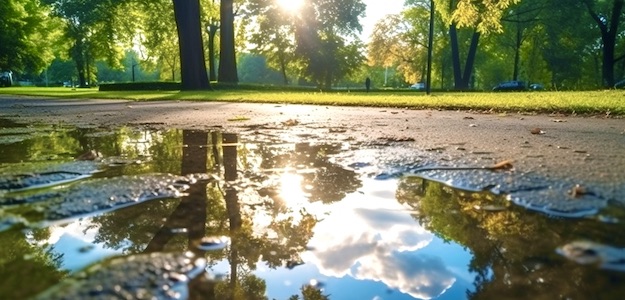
x=536 y=87
x=510 y=86
x=419 y=86
x=6 y=78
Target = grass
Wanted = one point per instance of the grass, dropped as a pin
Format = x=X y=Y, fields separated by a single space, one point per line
x=608 y=102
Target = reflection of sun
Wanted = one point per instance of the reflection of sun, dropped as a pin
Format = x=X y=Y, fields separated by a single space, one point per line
x=290 y=5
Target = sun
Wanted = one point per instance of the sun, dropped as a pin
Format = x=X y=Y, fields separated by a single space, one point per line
x=290 y=5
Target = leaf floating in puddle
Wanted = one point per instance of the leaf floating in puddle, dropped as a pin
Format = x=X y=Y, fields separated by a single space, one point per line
x=147 y=276
x=591 y=253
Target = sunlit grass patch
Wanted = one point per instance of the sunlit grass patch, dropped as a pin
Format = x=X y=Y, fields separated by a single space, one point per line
x=610 y=102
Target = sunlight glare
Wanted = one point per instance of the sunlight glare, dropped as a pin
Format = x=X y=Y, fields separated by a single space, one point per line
x=290 y=5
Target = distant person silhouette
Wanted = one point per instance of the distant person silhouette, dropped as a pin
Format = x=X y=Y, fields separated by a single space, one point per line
x=368 y=84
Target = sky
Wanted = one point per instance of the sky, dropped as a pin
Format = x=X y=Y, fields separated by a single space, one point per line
x=376 y=10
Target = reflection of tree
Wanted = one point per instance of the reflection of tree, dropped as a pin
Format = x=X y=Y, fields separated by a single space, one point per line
x=311 y=293
x=211 y=209
x=26 y=269
x=513 y=249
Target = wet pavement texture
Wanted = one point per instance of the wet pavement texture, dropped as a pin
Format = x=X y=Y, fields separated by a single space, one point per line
x=268 y=212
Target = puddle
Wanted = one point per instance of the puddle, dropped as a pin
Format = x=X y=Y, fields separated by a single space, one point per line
x=190 y=214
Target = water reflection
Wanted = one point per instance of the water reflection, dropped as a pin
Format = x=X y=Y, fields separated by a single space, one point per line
x=513 y=250
x=297 y=224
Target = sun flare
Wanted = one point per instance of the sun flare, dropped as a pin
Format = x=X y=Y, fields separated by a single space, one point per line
x=290 y=5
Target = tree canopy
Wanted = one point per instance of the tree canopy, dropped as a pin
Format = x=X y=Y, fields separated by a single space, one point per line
x=568 y=44
x=26 y=36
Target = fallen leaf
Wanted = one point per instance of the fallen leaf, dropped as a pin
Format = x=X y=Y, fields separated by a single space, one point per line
x=577 y=191
x=537 y=131
x=502 y=165
x=238 y=118
x=290 y=122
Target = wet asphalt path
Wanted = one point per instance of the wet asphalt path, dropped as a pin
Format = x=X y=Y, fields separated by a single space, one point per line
x=575 y=147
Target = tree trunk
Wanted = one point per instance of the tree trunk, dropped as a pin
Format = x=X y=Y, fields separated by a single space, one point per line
x=227 y=55
x=455 y=56
x=285 y=77
x=468 y=67
x=212 y=32
x=462 y=79
x=609 y=31
x=192 y=63
x=517 y=52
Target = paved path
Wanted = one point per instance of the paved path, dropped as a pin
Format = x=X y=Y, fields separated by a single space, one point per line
x=582 y=148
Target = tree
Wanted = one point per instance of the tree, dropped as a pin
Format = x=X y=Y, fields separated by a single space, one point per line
x=483 y=16
x=522 y=18
x=401 y=41
x=227 y=55
x=567 y=43
x=608 y=26
x=273 y=36
x=192 y=62
x=211 y=21
x=326 y=41
x=94 y=29
x=26 y=36
x=159 y=38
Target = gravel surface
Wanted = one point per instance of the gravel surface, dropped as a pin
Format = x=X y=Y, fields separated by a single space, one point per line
x=589 y=149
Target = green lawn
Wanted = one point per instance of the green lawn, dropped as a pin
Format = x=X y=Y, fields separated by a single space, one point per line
x=610 y=102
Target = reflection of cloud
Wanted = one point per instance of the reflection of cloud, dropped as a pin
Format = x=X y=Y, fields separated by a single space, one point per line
x=75 y=241
x=372 y=238
x=421 y=276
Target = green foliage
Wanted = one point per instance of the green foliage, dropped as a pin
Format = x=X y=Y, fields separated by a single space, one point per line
x=272 y=36
x=319 y=42
x=26 y=36
x=95 y=30
x=484 y=15
x=159 y=38
x=326 y=40
x=253 y=69
x=400 y=41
